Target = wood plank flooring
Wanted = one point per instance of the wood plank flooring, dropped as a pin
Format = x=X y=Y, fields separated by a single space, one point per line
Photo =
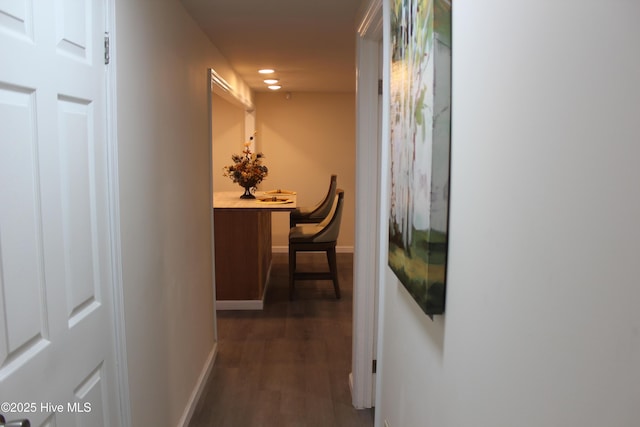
x=288 y=365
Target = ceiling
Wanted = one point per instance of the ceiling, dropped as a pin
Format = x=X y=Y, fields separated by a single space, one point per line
x=310 y=43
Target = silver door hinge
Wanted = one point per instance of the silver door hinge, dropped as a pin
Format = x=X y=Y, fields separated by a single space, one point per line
x=106 y=48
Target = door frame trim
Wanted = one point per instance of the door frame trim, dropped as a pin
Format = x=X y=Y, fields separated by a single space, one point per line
x=366 y=280
x=121 y=382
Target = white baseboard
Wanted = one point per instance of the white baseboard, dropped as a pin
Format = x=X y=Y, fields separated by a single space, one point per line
x=197 y=391
x=285 y=249
x=251 y=304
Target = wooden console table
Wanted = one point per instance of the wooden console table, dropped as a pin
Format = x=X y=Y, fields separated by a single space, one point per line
x=242 y=231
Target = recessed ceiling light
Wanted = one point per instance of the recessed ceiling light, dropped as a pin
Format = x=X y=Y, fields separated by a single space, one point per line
x=266 y=71
x=271 y=81
x=274 y=87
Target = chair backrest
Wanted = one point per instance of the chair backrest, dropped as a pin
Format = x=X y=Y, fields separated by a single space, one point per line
x=330 y=226
x=322 y=209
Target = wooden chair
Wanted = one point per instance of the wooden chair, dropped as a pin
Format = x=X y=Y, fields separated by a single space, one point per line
x=315 y=214
x=317 y=238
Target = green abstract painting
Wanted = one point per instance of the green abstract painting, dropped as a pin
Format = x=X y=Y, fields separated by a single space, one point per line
x=420 y=115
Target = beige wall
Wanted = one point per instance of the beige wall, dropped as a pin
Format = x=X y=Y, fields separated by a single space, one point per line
x=227 y=131
x=161 y=58
x=305 y=139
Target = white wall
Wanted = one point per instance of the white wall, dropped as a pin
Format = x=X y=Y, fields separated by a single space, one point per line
x=542 y=323
x=162 y=59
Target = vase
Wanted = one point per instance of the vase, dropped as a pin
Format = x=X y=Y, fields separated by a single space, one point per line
x=247 y=193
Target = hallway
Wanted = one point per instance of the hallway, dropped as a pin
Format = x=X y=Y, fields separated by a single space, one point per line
x=289 y=364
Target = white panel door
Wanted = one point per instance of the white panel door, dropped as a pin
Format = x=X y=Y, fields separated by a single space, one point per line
x=56 y=320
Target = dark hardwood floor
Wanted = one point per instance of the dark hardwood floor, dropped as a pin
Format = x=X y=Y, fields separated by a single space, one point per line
x=289 y=364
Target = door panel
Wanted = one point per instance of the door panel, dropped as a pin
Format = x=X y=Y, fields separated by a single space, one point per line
x=16 y=17
x=21 y=259
x=56 y=325
x=79 y=216
x=73 y=27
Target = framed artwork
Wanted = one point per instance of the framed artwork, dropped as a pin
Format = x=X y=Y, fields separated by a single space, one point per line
x=420 y=116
